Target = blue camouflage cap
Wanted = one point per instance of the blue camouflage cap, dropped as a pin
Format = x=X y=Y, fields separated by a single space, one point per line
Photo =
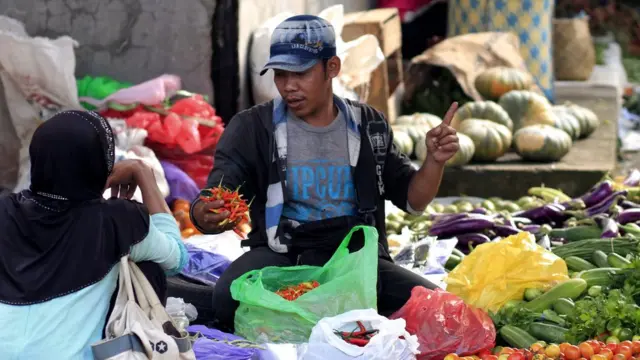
x=299 y=42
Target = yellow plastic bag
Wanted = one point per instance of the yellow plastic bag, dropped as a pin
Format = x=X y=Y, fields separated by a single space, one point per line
x=497 y=272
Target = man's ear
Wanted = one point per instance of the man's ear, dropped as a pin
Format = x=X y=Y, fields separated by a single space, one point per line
x=333 y=67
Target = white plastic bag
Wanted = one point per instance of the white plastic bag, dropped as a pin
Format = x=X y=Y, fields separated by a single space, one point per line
x=38 y=79
x=324 y=344
x=359 y=57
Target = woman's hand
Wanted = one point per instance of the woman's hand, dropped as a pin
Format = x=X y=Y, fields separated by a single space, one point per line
x=126 y=176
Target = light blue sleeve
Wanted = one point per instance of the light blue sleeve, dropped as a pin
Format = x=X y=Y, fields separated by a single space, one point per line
x=163 y=245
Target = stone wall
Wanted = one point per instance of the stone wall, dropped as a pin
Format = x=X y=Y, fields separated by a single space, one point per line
x=130 y=40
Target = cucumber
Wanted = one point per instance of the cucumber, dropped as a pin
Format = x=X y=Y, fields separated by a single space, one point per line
x=576 y=233
x=600 y=276
x=585 y=248
x=571 y=289
x=458 y=253
x=600 y=259
x=617 y=261
x=564 y=306
x=516 y=337
x=577 y=264
x=452 y=262
x=532 y=293
x=548 y=332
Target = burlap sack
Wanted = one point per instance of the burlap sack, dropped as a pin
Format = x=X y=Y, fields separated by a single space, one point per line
x=574 y=56
x=466 y=56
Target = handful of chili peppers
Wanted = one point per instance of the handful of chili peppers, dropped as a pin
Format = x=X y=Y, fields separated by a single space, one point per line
x=295 y=291
x=359 y=337
x=233 y=203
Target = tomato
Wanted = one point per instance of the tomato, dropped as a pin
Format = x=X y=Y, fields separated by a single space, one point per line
x=619 y=357
x=626 y=343
x=552 y=351
x=572 y=352
x=607 y=353
x=497 y=350
x=516 y=356
x=635 y=347
x=595 y=345
x=613 y=347
x=484 y=352
x=536 y=347
x=507 y=350
x=564 y=346
x=586 y=350
x=452 y=357
x=503 y=356
x=598 y=357
x=626 y=351
x=490 y=357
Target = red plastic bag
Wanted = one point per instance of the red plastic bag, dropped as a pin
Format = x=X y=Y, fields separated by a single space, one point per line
x=444 y=324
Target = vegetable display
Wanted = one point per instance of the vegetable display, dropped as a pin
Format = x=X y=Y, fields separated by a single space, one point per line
x=295 y=291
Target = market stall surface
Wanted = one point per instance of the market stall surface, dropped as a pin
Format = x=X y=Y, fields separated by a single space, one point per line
x=588 y=160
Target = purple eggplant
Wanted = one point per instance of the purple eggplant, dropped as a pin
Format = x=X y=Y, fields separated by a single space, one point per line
x=608 y=225
x=545 y=214
x=447 y=219
x=505 y=230
x=604 y=206
x=467 y=241
x=442 y=218
x=461 y=226
x=598 y=193
x=629 y=216
x=532 y=228
x=479 y=211
x=633 y=179
x=627 y=204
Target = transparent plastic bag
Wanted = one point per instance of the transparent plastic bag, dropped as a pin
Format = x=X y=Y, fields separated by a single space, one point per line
x=496 y=272
x=180 y=312
x=445 y=324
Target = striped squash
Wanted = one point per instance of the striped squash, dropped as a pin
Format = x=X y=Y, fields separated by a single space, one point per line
x=486 y=110
x=541 y=143
x=526 y=108
x=403 y=142
x=491 y=140
x=565 y=120
x=588 y=120
x=497 y=81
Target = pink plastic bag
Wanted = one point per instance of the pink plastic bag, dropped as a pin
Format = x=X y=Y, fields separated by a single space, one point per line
x=444 y=324
x=150 y=92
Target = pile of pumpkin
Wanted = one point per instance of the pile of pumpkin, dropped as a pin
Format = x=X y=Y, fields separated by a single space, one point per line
x=511 y=117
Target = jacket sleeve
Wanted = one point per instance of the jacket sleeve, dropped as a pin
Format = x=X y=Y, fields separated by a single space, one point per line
x=234 y=156
x=397 y=175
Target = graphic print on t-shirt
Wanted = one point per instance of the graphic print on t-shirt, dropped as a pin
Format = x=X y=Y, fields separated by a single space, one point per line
x=319 y=189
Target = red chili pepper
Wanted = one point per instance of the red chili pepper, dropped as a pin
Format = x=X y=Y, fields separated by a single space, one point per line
x=361 y=326
x=357 y=342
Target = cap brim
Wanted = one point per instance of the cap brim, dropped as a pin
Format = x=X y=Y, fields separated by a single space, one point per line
x=289 y=63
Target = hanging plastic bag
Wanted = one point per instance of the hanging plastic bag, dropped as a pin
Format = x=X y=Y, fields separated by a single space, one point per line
x=483 y=282
x=204 y=266
x=181 y=186
x=347 y=282
x=386 y=344
x=150 y=92
x=445 y=324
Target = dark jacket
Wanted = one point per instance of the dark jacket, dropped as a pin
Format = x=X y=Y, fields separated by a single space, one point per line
x=245 y=156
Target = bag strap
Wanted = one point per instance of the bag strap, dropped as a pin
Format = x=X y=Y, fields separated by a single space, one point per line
x=125 y=276
x=370 y=243
x=147 y=297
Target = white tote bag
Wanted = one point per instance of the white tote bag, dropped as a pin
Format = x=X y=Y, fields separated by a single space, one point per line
x=142 y=330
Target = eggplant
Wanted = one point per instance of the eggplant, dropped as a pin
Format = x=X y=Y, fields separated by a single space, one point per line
x=608 y=225
x=447 y=219
x=461 y=226
x=598 y=193
x=442 y=218
x=629 y=216
x=603 y=206
x=479 y=210
x=532 y=228
x=544 y=214
x=633 y=179
x=469 y=240
x=505 y=230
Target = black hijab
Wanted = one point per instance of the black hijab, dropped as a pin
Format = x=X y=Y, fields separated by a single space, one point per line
x=61 y=236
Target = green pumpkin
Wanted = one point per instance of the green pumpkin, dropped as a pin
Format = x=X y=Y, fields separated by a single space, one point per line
x=523 y=105
x=491 y=140
x=419 y=119
x=487 y=110
x=497 y=81
x=588 y=120
x=542 y=143
x=403 y=142
x=566 y=121
x=462 y=157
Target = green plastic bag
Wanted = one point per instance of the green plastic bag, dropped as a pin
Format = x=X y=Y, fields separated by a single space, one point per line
x=347 y=282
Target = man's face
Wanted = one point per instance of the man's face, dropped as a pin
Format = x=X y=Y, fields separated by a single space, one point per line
x=306 y=92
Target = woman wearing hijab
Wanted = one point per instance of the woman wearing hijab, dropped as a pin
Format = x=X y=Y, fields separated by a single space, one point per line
x=60 y=241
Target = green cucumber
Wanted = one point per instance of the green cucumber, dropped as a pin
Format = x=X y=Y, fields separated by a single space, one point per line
x=548 y=332
x=577 y=264
x=600 y=276
x=571 y=289
x=452 y=262
x=600 y=259
x=564 y=306
x=617 y=261
x=516 y=337
x=576 y=233
x=532 y=293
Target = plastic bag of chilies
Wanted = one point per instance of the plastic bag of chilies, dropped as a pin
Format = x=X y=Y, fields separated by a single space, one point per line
x=444 y=324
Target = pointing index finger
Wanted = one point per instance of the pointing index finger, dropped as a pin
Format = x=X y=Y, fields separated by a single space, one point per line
x=449 y=115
